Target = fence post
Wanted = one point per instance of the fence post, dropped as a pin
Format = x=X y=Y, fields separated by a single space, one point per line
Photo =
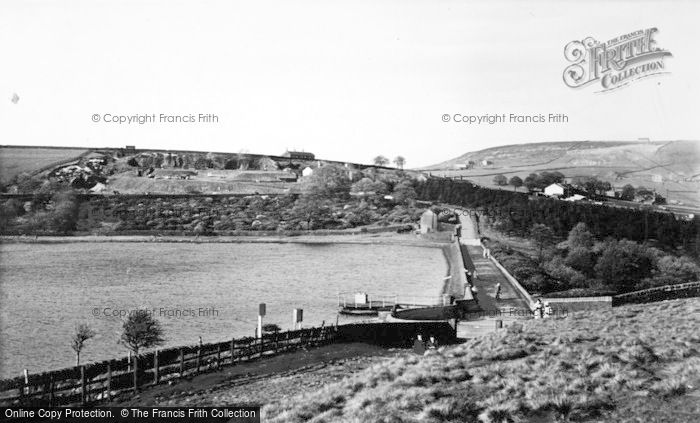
x=83 y=390
x=232 y=351
x=51 y=390
x=136 y=373
x=24 y=387
x=156 y=374
x=109 y=381
x=182 y=363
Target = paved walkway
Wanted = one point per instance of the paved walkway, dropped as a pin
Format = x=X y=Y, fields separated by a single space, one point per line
x=487 y=278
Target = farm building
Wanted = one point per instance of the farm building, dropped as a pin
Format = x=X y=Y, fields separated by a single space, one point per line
x=298 y=155
x=307 y=171
x=554 y=190
x=287 y=176
x=486 y=162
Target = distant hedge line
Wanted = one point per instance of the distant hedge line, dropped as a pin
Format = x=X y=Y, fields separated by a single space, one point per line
x=517 y=212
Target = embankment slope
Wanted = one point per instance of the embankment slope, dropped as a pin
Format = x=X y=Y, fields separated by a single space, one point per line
x=633 y=363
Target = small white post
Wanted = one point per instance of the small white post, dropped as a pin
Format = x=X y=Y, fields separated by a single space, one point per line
x=297 y=317
x=262 y=310
x=26 y=382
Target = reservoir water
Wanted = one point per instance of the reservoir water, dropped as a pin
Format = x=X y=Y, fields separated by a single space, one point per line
x=208 y=290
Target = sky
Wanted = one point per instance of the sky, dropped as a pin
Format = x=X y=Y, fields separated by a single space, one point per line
x=344 y=80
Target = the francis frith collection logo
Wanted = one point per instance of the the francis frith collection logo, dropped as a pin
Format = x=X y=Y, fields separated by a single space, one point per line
x=616 y=62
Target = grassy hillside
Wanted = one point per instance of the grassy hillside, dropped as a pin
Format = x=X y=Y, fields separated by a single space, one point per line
x=673 y=168
x=634 y=363
x=16 y=160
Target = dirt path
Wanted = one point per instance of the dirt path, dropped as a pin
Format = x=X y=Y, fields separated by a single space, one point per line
x=267 y=380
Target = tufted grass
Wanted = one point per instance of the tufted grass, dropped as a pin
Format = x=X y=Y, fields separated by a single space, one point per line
x=571 y=369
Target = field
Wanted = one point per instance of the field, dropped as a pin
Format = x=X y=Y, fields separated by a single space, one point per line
x=633 y=363
x=672 y=168
x=16 y=160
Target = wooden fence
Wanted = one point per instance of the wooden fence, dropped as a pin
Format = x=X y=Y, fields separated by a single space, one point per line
x=101 y=382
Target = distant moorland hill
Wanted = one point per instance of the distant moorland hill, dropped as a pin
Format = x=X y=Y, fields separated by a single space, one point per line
x=671 y=167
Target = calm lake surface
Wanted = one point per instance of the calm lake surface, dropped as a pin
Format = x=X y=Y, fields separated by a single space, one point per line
x=208 y=290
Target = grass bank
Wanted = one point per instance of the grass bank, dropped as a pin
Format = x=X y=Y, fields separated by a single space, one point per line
x=633 y=363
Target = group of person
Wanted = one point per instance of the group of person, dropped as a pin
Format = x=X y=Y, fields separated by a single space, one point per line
x=420 y=346
x=542 y=310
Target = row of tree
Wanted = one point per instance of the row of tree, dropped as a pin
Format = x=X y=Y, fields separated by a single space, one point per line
x=587 y=184
x=514 y=212
x=501 y=180
x=380 y=160
x=532 y=181
x=140 y=330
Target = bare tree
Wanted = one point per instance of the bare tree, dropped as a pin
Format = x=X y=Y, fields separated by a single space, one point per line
x=399 y=161
x=380 y=161
x=83 y=332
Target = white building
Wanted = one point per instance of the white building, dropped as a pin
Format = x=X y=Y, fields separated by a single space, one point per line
x=575 y=197
x=554 y=190
x=307 y=171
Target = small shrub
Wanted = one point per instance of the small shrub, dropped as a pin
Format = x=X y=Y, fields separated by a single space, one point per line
x=673 y=387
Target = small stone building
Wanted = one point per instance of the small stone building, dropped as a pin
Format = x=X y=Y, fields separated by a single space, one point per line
x=428 y=222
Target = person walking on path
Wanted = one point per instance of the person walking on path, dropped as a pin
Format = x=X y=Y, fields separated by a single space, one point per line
x=547 y=310
x=498 y=291
x=537 y=309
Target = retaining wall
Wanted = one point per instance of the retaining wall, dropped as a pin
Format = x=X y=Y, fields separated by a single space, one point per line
x=396 y=334
x=669 y=292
